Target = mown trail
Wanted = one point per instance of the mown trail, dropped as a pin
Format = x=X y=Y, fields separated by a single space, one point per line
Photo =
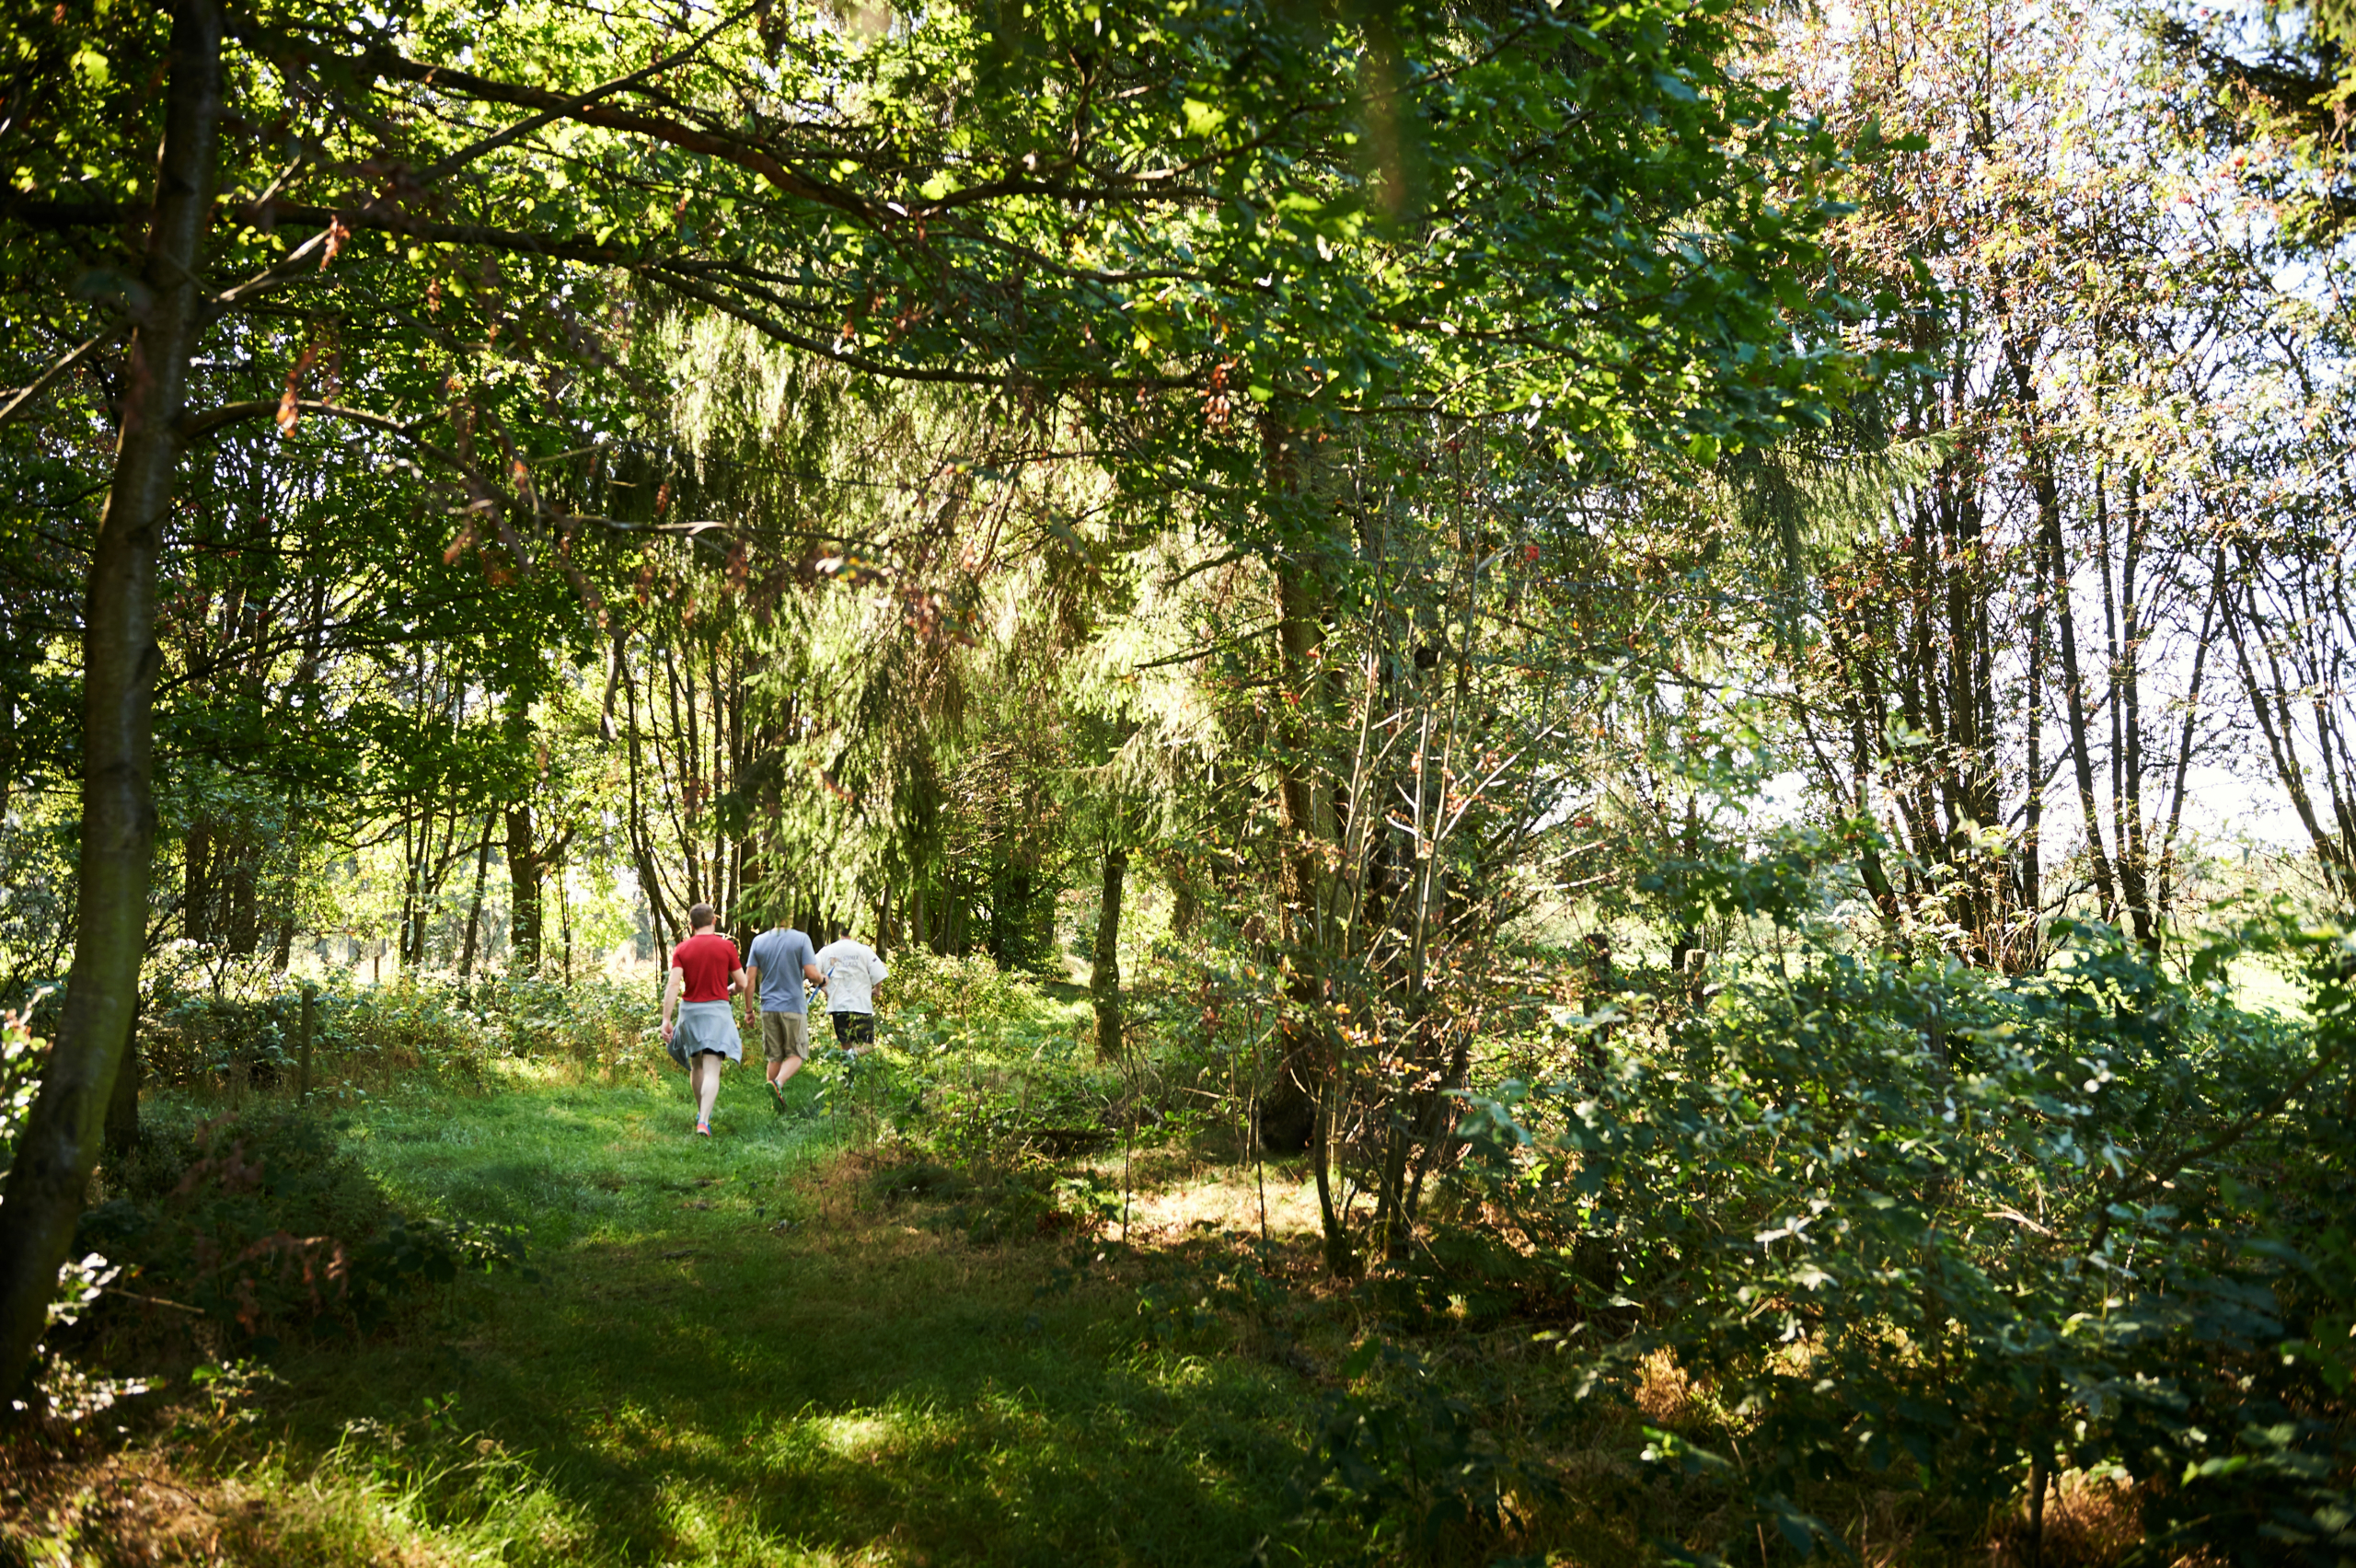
x=737 y=1352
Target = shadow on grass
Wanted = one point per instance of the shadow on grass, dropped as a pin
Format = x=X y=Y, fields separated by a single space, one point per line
x=736 y=1356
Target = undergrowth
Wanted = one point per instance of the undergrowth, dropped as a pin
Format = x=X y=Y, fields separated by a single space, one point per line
x=975 y=1296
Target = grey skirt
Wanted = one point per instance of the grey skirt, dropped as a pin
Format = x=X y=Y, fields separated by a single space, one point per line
x=706 y=1026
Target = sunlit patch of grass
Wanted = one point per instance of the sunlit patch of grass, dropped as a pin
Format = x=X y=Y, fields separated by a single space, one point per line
x=744 y=1350
x=2260 y=984
x=852 y=1436
x=738 y=1355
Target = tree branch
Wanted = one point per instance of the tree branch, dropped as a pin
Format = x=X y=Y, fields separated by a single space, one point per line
x=23 y=399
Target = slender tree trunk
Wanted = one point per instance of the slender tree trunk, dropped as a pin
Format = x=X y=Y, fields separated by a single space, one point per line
x=413 y=852
x=120 y=661
x=2274 y=722
x=524 y=893
x=2033 y=807
x=642 y=840
x=1289 y=1115
x=1105 y=979
x=196 y=884
x=2074 y=689
x=688 y=750
x=474 y=908
x=2134 y=855
x=2049 y=513
x=2183 y=743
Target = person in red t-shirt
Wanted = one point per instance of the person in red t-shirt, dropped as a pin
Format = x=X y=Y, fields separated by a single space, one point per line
x=705 y=972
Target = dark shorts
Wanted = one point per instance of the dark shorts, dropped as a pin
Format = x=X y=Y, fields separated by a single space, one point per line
x=853 y=1029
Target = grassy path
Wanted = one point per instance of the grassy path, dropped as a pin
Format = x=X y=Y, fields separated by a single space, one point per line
x=737 y=1353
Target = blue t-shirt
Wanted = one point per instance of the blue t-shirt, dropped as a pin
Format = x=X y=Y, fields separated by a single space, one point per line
x=779 y=955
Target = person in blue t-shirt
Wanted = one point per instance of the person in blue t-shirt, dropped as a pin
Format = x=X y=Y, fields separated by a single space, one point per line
x=779 y=961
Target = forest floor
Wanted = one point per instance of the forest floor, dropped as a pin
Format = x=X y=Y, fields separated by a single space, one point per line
x=741 y=1350
x=778 y=1346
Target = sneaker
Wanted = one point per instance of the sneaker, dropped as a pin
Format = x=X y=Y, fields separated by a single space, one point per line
x=777 y=1097
x=703 y=1129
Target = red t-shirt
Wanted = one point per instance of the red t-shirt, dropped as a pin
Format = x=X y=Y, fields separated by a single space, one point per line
x=708 y=960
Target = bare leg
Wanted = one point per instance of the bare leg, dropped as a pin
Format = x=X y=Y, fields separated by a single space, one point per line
x=781 y=1072
x=705 y=1078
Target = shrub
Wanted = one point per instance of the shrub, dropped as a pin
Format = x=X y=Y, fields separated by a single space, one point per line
x=970 y=994
x=1934 y=1229
x=260 y=1224
x=244 y=1031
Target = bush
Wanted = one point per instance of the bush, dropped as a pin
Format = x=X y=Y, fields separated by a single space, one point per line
x=1928 y=1227
x=970 y=994
x=260 y=1224
x=244 y=1030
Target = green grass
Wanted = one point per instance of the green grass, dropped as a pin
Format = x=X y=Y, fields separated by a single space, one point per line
x=736 y=1353
x=2261 y=986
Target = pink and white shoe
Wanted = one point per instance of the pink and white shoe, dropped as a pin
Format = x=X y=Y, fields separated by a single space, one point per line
x=703 y=1129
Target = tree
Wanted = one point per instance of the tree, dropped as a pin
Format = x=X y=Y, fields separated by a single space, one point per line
x=54 y=1152
x=2010 y=585
x=1271 y=258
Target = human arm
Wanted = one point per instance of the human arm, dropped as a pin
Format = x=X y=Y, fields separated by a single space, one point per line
x=751 y=976
x=671 y=989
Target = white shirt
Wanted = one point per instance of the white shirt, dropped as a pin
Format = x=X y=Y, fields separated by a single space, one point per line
x=852 y=971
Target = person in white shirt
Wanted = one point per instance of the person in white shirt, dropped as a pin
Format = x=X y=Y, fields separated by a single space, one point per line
x=852 y=971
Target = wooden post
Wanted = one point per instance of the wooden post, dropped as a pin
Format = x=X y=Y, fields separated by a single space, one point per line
x=310 y=1013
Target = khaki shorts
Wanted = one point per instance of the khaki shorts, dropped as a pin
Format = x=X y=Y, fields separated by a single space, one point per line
x=784 y=1034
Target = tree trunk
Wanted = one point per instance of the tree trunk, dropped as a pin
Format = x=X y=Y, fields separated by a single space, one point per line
x=1289 y=1116
x=413 y=851
x=2127 y=706
x=2191 y=722
x=2271 y=709
x=1105 y=979
x=474 y=908
x=2033 y=806
x=524 y=885
x=120 y=661
x=243 y=926
x=196 y=884
x=2049 y=513
x=122 y=1105
x=642 y=840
